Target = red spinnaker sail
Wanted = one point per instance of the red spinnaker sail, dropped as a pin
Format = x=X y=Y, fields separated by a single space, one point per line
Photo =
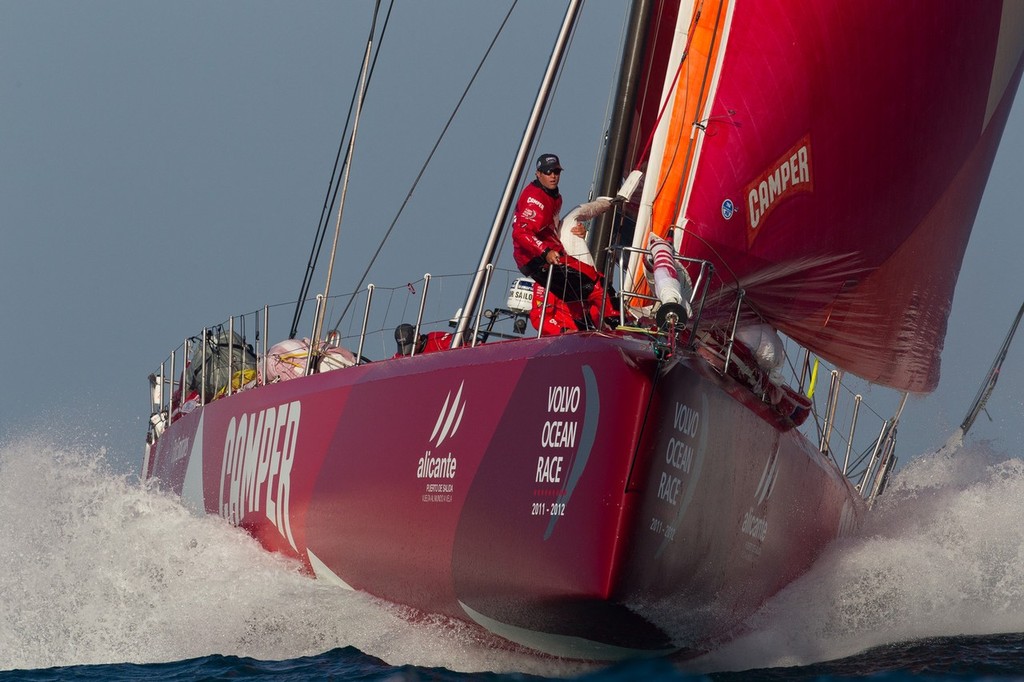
x=829 y=158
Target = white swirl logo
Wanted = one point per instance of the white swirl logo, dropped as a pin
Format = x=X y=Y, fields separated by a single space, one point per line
x=450 y=417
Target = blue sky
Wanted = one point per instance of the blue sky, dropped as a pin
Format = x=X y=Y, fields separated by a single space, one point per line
x=163 y=165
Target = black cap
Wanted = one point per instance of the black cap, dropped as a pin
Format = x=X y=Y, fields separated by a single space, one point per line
x=548 y=162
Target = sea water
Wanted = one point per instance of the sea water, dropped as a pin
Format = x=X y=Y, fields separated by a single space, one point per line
x=105 y=578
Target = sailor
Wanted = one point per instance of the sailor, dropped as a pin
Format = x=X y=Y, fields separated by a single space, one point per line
x=538 y=249
x=427 y=343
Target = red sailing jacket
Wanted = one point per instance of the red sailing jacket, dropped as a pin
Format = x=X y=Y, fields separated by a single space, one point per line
x=535 y=225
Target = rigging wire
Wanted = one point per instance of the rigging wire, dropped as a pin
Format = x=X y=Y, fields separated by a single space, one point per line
x=423 y=168
x=334 y=185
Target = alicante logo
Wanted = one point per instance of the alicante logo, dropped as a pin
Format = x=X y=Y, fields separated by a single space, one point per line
x=754 y=525
x=442 y=466
x=450 y=417
x=768 y=478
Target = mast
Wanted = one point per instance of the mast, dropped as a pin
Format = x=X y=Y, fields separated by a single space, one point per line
x=613 y=167
x=512 y=186
x=363 y=78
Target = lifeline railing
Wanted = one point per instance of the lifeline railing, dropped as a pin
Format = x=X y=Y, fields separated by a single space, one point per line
x=868 y=469
x=169 y=384
x=167 y=404
x=698 y=289
x=866 y=461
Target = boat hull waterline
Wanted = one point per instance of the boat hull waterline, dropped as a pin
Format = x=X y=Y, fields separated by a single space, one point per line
x=571 y=494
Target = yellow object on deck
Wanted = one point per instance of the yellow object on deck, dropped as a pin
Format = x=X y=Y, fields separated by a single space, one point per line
x=814 y=379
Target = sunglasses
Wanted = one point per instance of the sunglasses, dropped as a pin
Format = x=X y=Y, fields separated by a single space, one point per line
x=552 y=172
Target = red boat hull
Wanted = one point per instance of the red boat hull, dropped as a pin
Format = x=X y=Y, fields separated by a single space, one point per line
x=573 y=494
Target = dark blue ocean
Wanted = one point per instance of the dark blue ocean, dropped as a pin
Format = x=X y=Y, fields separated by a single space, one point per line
x=104 y=579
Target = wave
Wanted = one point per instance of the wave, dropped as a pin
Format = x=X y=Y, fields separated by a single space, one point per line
x=99 y=568
x=96 y=568
x=939 y=556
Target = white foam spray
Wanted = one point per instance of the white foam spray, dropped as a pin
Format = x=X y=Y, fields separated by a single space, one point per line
x=96 y=568
x=942 y=554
